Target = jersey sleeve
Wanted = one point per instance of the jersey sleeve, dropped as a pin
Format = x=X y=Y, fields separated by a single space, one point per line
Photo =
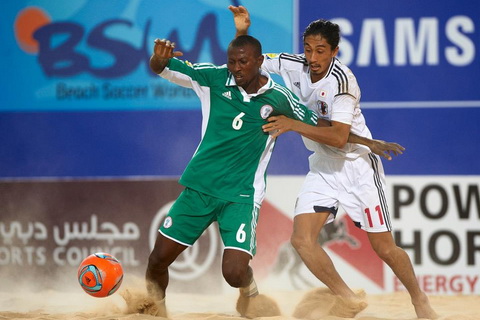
x=188 y=75
x=344 y=109
x=271 y=63
x=306 y=115
x=289 y=105
x=346 y=100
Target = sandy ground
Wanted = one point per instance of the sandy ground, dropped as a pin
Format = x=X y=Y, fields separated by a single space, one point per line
x=77 y=305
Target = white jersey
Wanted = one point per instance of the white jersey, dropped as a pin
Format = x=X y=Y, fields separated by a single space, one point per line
x=336 y=97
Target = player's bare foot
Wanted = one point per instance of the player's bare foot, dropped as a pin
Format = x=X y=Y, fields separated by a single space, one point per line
x=139 y=302
x=257 y=306
x=347 y=307
x=423 y=308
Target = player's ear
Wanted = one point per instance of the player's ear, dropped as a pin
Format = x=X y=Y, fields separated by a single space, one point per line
x=335 y=51
x=260 y=60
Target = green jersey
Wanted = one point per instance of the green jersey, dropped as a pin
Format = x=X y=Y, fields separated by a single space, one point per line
x=232 y=158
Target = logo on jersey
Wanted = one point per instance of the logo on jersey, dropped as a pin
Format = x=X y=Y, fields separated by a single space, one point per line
x=167 y=223
x=227 y=94
x=271 y=55
x=297 y=84
x=265 y=111
x=322 y=93
x=322 y=107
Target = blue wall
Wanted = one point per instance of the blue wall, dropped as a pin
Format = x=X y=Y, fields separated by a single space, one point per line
x=421 y=91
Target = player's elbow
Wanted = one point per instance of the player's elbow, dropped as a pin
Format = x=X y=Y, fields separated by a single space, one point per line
x=340 y=135
x=340 y=142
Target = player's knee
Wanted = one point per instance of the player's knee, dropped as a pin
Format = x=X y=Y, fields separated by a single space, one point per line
x=235 y=275
x=156 y=261
x=386 y=253
x=301 y=242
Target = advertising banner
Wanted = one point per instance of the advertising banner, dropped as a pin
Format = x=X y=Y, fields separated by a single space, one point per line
x=90 y=55
x=407 y=54
x=53 y=225
x=436 y=220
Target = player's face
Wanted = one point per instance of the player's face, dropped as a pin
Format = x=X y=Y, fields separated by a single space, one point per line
x=319 y=55
x=245 y=65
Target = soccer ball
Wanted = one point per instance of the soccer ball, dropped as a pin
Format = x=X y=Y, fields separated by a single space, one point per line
x=100 y=274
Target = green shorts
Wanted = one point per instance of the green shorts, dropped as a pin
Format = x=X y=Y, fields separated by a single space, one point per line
x=193 y=212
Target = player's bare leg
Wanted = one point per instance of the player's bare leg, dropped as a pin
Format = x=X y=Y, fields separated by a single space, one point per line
x=398 y=260
x=306 y=229
x=238 y=274
x=157 y=278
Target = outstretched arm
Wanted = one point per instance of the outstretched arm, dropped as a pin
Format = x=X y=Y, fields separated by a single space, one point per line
x=162 y=52
x=241 y=18
x=331 y=136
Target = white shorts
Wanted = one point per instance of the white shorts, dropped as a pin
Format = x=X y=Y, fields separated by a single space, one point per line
x=357 y=185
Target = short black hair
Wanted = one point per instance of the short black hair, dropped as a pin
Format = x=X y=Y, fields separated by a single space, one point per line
x=243 y=40
x=327 y=29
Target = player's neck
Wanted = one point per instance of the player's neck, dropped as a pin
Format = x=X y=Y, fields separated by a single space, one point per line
x=255 y=85
x=314 y=77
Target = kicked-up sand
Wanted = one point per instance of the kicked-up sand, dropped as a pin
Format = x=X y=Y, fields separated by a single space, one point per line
x=313 y=304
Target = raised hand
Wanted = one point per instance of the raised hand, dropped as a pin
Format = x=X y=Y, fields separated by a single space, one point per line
x=163 y=49
x=241 y=18
x=162 y=52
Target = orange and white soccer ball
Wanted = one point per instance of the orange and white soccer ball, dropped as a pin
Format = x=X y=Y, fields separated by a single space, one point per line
x=100 y=274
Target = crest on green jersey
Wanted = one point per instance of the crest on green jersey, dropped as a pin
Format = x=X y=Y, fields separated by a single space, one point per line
x=265 y=111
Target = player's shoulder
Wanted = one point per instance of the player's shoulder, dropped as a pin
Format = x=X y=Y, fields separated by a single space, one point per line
x=283 y=93
x=342 y=77
x=178 y=63
x=207 y=66
x=216 y=73
x=338 y=68
x=287 y=59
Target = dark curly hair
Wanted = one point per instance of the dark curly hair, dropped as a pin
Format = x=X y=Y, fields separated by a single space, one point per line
x=327 y=29
x=243 y=40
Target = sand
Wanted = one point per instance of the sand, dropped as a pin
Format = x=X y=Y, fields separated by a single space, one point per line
x=74 y=304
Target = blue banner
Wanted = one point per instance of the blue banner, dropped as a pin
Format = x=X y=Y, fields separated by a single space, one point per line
x=411 y=53
x=93 y=55
x=416 y=62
